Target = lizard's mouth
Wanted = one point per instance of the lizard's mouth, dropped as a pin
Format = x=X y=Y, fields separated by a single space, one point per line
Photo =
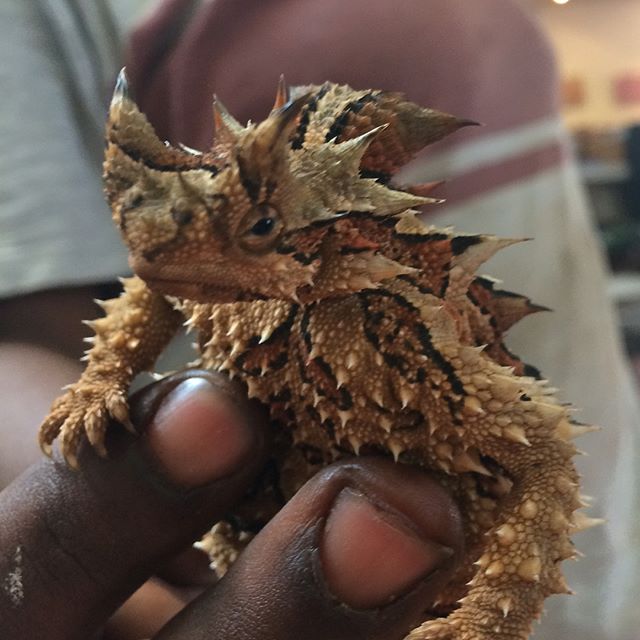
x=191 y=290
x=173 y=285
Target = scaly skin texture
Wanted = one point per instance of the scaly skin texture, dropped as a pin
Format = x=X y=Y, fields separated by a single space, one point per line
x=308 y=276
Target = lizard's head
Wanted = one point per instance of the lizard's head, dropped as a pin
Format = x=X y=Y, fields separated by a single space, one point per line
x=255 y=216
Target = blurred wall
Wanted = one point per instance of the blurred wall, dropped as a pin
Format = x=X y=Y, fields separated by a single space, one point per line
x=596 y=41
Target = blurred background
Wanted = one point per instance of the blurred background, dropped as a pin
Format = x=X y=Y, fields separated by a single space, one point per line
x=484 y=59
x=598 y=53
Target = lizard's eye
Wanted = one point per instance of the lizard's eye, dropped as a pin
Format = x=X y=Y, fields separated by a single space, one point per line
x=263 y=227
x=260 y=228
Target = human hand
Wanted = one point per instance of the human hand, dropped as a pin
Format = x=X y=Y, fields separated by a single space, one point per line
x=359 y=552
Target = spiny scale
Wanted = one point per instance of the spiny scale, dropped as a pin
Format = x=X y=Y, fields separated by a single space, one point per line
x=308 y=276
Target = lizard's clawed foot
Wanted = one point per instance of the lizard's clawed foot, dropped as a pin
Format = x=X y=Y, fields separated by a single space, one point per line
x=83 y=409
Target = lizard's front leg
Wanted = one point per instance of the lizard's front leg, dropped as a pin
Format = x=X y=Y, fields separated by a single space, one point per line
x=135 y=329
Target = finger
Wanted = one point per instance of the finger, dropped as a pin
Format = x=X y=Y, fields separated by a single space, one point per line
x=174 y=584
x=76 y=544
x=190 y=568
x=145 y=612
x=360 y=552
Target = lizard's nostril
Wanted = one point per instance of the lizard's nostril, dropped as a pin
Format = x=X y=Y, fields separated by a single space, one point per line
x=181 y=217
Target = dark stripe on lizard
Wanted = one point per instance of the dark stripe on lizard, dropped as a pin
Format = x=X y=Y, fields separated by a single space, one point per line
x=422 y=333
x=192 y=165
x=312 y=106
x=341 y=121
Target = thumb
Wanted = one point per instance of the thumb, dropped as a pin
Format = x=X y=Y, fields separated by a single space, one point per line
x=74 y=545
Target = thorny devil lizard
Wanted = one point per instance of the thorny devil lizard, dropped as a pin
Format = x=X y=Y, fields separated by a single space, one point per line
x=308 y=276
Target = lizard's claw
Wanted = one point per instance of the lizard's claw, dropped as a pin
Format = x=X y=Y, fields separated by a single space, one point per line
x=84 y=409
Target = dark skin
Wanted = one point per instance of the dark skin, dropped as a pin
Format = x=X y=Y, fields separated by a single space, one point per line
x=350 y=556
x=40 y=347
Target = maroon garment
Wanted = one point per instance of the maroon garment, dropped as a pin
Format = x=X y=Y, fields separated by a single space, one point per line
x=481 y=59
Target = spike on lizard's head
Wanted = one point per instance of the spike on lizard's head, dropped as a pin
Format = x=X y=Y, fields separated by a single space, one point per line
x=256 y=215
